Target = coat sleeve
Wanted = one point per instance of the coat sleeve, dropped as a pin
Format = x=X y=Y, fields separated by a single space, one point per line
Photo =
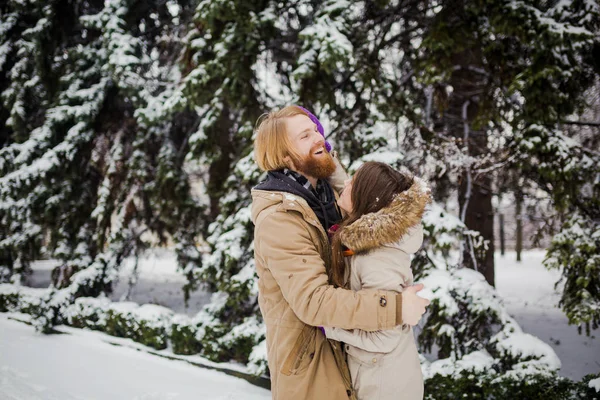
x=384 y=269
x=376 y=342
x=339 y=176
x=284 y=246
x=377 y=270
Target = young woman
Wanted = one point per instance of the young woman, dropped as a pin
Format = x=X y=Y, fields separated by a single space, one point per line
x=371 y=250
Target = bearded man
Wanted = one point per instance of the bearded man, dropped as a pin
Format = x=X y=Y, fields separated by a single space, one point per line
x=292 y=211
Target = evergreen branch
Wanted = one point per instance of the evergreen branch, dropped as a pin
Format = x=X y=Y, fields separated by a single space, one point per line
x=582 y=123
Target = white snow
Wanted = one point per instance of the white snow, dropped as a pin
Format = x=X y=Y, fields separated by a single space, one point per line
x=595 y=383
x=527 y=289
x=446 y=222
x=273 y=92
x=289 y=197
x=257 y=357
x=526 y=345
x=76 y=367
x=475 y=361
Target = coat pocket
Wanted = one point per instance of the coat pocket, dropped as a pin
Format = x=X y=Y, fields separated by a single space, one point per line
x=366 y=371
x=302 y=353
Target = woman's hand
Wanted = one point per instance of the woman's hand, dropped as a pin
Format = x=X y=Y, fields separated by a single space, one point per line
x=413 y=306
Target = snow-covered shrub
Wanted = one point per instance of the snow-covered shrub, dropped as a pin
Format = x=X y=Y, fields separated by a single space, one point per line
x=148 y=324
x=488 y=384
x=462 y=314
x=88 y=312
x=442 y=233
x=509 y=364
x=221 y=342
x=9 y=298
x=16 y=298
x=467 y=319
x=593 y=384
x=183 y=335
x=241 y=341
x=458 y=320
x=145 y=324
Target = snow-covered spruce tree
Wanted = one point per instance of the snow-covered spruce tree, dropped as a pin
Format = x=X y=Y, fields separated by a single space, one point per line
x=231 y=325
x=576 y=247
x=569 y=172
x=45 y=140
x=355 y=70
x=221 y=65
x=565 y=167
x=506 y=75
x=84 y=172
x=576 y=251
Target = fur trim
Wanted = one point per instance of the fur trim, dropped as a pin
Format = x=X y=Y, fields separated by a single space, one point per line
x=389 y=224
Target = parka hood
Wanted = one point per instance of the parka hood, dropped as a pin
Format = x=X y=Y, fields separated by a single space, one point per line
x=389 y=225
x=264 y=199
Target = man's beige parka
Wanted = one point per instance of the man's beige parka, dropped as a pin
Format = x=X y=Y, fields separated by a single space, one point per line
x=292 y=252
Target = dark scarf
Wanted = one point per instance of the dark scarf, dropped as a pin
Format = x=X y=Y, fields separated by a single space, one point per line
x=326 y=210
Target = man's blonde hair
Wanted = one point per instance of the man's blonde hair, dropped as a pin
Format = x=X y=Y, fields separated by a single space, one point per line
x=272 y=143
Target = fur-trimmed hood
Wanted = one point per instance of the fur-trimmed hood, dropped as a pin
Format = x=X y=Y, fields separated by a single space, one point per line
x=388 y=225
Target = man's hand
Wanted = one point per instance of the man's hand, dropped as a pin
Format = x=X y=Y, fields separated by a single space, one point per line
x=413 y=306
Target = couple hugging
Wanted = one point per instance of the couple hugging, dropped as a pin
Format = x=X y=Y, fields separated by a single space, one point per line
x=335 y=285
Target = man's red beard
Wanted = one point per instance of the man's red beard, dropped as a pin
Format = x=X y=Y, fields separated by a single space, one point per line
x=317 y=167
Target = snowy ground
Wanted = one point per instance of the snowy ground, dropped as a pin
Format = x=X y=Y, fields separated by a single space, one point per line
x=529 y=296
x=76 y=367
x=82 y=365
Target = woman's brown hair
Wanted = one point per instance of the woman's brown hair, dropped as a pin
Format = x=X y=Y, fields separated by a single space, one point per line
x=374 y=186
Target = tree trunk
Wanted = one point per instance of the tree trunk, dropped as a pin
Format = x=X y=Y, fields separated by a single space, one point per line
x=479 y=217
x=501 y=223
x=519 y=205
x=220 y=167
x=475 y=196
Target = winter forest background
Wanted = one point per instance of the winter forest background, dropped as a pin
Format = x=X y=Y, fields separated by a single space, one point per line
x=127 y=126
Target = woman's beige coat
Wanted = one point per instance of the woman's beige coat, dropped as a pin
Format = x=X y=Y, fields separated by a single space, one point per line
x=385 y=364
x=292 y=252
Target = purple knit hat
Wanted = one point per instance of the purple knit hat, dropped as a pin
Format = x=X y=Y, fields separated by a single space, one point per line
x=319 y=127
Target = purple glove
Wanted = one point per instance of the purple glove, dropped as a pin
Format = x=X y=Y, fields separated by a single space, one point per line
x=322 y=329
x=319 y=127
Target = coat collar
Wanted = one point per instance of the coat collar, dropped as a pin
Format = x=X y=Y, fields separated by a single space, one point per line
x=263 y=199
x=389 y=224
